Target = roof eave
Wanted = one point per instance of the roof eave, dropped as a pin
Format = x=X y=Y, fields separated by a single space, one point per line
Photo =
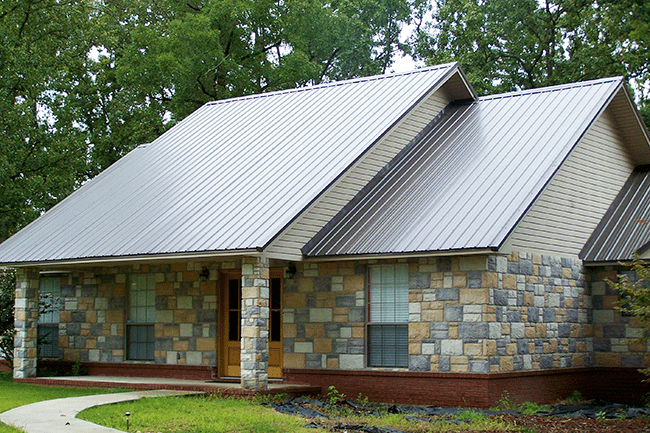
x=115 y=260
x=405 y=254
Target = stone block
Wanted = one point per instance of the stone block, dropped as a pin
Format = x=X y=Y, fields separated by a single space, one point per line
x=322 y=345
x=351 y=362
x=419 y=331
x=356 y=314
x=472 y=263
x=474 y=296
x=451 y=347
x=453 y=313
x=473 y=330
x=303 y=347
x=517 y=330
x=320 y=315
x=479 y=366
x=494 y=330
x=447 y=294
x=419 y=363
x=428 y=348
x=500 y=297
x=206 y=344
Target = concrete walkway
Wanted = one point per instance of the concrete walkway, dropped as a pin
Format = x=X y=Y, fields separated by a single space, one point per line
x=58 y=416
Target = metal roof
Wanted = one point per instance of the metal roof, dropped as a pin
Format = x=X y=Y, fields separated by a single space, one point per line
x=228 y=177
x=625 y=228
x=466 y=184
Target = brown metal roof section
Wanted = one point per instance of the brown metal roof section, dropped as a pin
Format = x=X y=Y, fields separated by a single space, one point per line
x=625 y=228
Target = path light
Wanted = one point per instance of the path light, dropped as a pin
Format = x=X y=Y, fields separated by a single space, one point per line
x=128 y=414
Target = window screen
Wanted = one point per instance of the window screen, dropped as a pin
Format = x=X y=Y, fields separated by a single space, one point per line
x=388 y=315
x=141 y=317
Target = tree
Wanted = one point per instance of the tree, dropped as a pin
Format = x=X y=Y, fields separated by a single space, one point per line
x=82 y=82
x=505 y=46
x=7 y=286
x=635 y=297
x=43 y=153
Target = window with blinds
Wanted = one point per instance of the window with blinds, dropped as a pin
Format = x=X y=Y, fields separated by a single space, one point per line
x=388 y=315
x=141 y=317
x=49 y=305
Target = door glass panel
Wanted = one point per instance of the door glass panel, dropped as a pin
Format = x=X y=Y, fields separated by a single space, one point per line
x=275 y=293
x=276 y=325
x=233 y=325
x=234 y=297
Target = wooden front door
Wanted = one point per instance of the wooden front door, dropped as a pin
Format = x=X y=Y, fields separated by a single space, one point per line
x=230 y=324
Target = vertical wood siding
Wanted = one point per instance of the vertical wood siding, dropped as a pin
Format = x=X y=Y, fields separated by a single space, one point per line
x=289 y=243
x=573 y=203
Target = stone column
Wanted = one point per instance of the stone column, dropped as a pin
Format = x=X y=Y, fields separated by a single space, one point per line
x=255 y=323
x=26 y=323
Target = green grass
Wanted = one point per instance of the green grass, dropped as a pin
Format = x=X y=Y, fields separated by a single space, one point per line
x=194 y=414
x=203 y=414
x=19 y=394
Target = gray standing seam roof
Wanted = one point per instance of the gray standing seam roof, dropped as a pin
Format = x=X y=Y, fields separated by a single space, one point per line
x=466 y=184
x=229 y=177
x=625 y=228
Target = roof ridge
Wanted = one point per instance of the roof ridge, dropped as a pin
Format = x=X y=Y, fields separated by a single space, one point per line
x=333 y=84
x=555 y=88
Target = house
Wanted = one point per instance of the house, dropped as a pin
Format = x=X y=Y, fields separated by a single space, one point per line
x=391 y=232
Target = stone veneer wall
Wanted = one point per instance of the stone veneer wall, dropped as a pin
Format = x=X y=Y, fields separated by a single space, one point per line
x=614 y=333
x=92 y=320
x=466 y=314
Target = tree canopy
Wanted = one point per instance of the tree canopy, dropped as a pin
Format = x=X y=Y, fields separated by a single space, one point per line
x=504 y=45
x=83 y=82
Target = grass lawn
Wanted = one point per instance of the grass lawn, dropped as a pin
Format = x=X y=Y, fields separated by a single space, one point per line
x=203 y=414
x=196 y=414
x=19 y=394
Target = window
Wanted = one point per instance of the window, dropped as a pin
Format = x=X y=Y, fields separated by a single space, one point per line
x=388 y=314
x=141 y=317
x=49 y=304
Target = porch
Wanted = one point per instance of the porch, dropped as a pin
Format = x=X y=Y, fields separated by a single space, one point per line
x=225 y=388
x=179 y=319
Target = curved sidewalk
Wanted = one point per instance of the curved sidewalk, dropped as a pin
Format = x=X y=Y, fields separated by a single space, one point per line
x=54 y=416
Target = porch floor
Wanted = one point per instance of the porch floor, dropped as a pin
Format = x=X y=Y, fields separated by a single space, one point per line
x=208 y=386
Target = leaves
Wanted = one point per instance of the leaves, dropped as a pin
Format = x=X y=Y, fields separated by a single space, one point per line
x=505 y=46
x=83 y=82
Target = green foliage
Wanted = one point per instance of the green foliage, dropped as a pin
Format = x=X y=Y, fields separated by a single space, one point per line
x=504 y=45
x=635 y=298
x=575 y=397
x=526 y=408
x=84 y=82
x=334 y=396
x=7 y=294
x=194 y=414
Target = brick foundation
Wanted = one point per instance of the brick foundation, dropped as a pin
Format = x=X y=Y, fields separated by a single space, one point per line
x=190 y=372
x=478 y=390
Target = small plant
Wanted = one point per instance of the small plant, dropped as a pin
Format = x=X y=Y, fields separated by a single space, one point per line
x=334 y=396
x=531 y=408
x=601 y=416
x=621 y=414
x=504 y=402
x=575 y=397
x=363 y=401
x=472 y=416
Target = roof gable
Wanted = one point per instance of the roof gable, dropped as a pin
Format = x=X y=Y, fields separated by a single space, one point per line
x=472 y=178
x=229 y=177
